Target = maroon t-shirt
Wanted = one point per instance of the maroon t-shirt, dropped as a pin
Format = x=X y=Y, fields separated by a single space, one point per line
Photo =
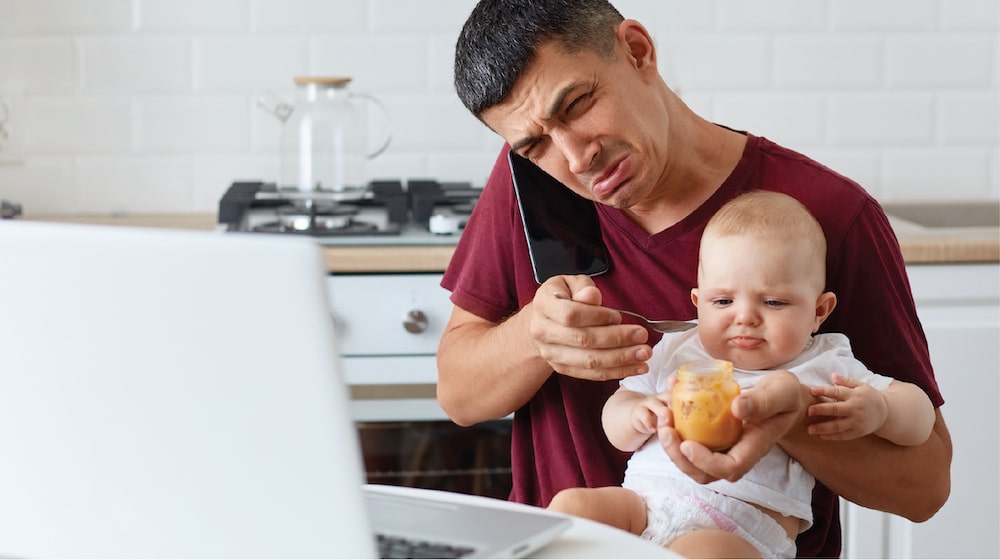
x=558 y=441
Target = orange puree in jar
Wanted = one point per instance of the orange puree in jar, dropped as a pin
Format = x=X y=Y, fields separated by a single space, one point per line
x=701 y=402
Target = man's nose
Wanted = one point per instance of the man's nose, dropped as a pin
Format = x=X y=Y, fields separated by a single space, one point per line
x=580 y=150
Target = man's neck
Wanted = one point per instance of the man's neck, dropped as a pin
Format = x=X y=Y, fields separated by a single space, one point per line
x=702 y=155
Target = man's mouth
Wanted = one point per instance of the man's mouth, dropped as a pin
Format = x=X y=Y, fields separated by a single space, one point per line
x=611 y=178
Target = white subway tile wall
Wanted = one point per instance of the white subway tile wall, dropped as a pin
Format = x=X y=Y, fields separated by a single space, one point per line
x=151 y=105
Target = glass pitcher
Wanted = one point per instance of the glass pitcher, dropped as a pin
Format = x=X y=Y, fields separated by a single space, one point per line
x=324 y=137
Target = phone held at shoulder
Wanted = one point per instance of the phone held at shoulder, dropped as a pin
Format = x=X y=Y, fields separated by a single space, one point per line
x=561 y=227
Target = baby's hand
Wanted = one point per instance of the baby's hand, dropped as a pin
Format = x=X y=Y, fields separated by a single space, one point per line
x=650 y=412
x=855 y=409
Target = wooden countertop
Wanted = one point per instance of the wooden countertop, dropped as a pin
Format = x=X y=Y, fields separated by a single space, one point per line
x=919 y=245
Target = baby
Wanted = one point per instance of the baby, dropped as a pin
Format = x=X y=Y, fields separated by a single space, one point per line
x=760 y=298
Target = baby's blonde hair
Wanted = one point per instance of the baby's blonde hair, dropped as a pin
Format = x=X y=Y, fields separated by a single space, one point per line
x=775 y=217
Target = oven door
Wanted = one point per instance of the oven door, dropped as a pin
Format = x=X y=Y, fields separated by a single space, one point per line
x=439 y=455
x=389 y=326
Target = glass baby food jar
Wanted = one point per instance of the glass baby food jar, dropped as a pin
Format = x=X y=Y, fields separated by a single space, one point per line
x=701 y=402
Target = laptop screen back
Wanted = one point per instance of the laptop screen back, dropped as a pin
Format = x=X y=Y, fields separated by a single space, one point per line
x=171 y=394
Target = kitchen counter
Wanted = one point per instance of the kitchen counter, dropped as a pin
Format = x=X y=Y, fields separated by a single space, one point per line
x=944 y=245
x=340 y=259
x=919 y=244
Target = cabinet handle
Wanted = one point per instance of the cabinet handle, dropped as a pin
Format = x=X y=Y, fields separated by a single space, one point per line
x=415 y=321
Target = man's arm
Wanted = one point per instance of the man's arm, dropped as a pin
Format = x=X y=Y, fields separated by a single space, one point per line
x=487 y=370
x=878 y=316
x=910 y=481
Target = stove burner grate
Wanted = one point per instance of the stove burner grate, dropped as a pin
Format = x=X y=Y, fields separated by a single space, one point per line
x=383 y=208
x=352 y=227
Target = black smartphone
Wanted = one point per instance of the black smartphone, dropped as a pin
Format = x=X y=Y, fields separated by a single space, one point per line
x=562 y=229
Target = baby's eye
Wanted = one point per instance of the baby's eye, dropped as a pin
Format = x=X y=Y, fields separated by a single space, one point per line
x=722 y=302
x=774 y=303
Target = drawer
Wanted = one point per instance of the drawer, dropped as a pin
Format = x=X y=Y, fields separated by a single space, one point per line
x=389 y=314
x=390 y=370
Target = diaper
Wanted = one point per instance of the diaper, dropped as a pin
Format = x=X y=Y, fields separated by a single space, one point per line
x=675 y=508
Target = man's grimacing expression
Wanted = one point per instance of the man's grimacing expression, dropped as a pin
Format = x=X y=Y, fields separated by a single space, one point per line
x=594 y=123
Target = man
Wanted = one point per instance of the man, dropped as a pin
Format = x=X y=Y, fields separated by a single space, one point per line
x=574 y=87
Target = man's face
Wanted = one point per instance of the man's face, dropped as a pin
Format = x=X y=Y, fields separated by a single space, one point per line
x=593 y=123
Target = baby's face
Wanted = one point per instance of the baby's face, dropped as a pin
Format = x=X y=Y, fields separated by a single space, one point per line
x=757 y=301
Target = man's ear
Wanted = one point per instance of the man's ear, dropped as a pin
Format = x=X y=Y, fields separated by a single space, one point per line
x=638 y=44
x=824 y=306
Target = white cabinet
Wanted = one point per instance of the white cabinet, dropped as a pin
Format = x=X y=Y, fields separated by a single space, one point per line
x=389 y=326
x=959 y=306
x=386 y=319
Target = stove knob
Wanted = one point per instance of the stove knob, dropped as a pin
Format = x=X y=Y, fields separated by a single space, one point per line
x=415 y=321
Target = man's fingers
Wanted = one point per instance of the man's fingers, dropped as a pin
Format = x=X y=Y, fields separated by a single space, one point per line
x=675 y=448
x=775 y=394
x=714 y=465
x=584 y=290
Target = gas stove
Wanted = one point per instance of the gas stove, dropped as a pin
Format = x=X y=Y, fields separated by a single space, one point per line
x=9 y=210
x=384 y=212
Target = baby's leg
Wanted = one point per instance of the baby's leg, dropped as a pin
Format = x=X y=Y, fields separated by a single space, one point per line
x=712 y=543
x=612 y=505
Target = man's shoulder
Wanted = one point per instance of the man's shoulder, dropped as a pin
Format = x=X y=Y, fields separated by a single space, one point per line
x=833 y=198
x=796 y=164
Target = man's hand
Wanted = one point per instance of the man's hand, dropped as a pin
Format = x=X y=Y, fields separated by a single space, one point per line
x=579 y=338
x=769 y=410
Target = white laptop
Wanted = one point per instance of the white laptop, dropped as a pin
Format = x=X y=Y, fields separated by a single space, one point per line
x=177 y=394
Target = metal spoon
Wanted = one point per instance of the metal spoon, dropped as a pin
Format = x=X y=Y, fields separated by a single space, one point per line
x=660 y=326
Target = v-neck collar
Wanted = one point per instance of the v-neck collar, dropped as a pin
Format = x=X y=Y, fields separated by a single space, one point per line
x=733 y=184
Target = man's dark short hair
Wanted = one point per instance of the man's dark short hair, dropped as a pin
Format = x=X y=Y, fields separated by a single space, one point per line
x=500 y=38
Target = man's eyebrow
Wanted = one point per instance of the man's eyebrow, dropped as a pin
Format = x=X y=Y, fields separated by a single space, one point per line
x=554 y=106
x=559 y=99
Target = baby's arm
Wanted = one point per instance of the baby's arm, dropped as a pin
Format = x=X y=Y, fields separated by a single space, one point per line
x=629 y=418
x=902 y=413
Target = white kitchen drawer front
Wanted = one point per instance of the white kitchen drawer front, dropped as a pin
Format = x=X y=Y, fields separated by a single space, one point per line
x=389 y=314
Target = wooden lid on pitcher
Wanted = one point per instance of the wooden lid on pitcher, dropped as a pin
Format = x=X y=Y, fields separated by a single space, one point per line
x=322 y=80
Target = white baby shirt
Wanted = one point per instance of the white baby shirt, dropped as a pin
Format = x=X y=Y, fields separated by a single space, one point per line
x=777 y=482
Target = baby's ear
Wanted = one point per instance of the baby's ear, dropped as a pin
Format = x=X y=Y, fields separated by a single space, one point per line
x=824 y=306
x=694 y=296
